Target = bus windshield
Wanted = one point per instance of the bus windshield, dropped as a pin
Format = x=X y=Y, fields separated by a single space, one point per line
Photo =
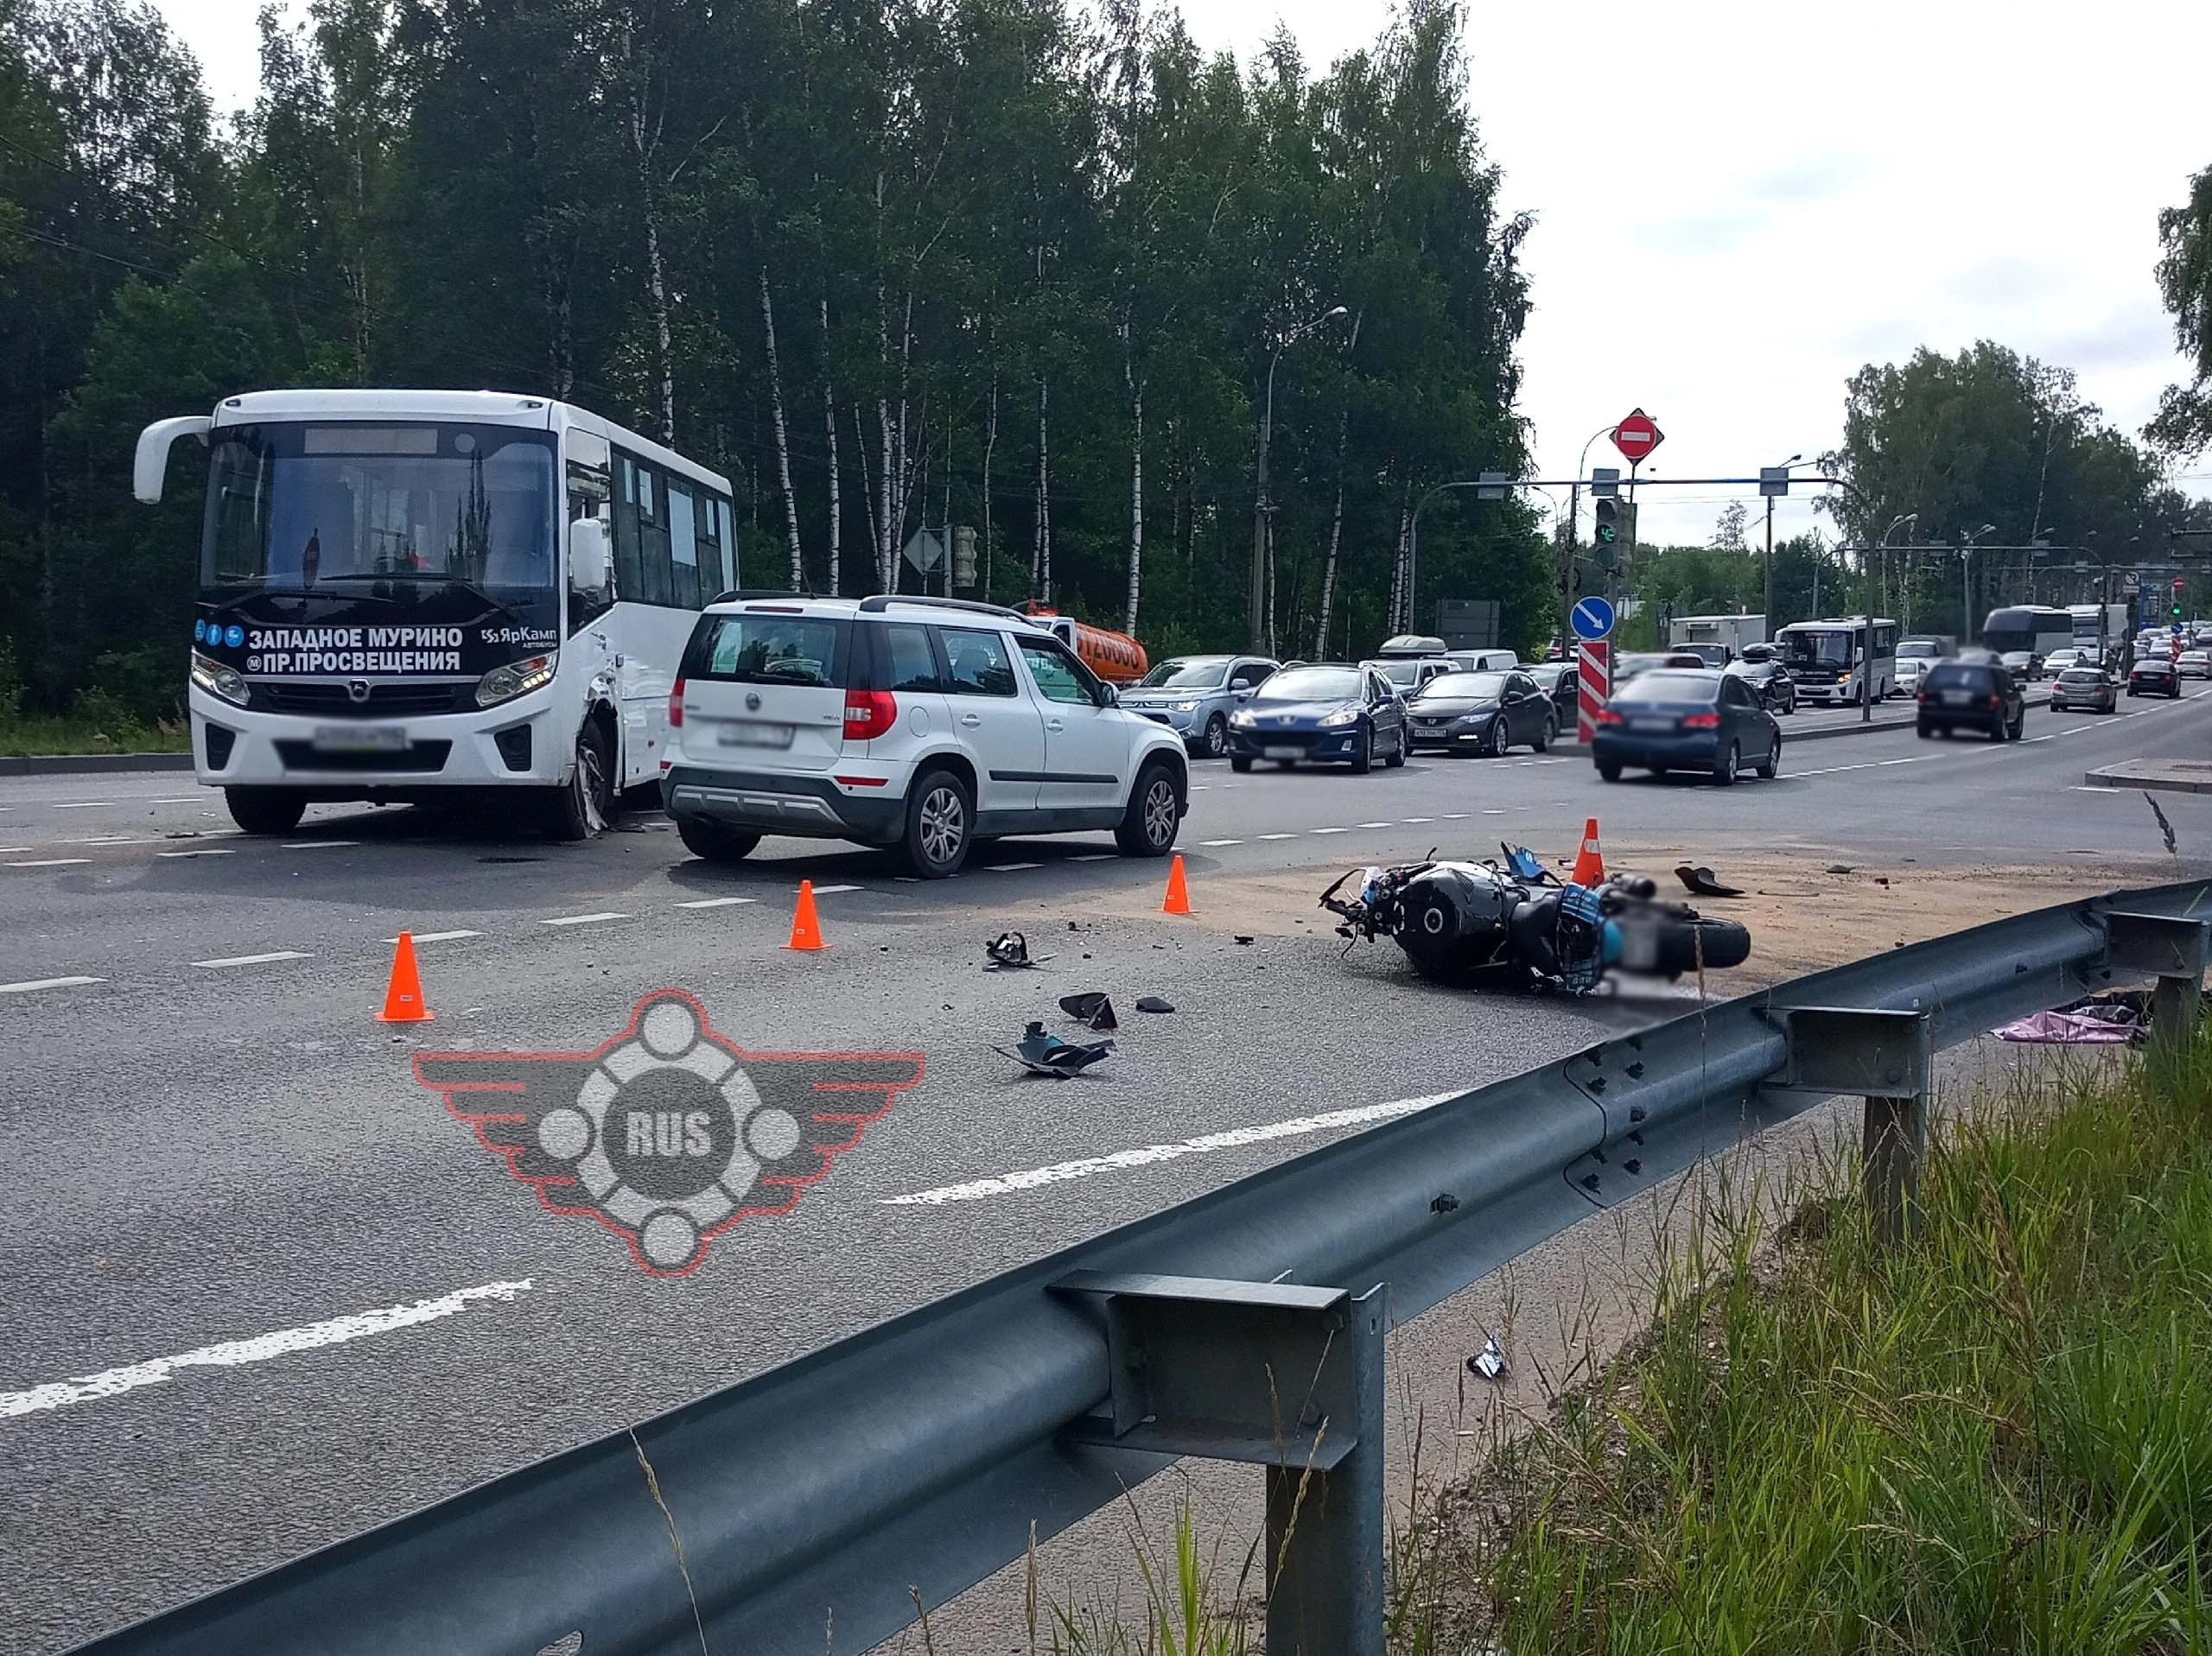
x=1825 y=648
x=361 y=509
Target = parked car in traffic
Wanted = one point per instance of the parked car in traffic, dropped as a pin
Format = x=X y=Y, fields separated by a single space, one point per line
x=1331 y=712
x=923 y=723
x=2024 y=664
x=2153 y=675
x=2194 y=664
x=1633 y=663
x=2084 y=687
x=1712 y=655
x=1776 y=690
x=1971 y=695
x=1561 y=681
x=1193 y=696
x=1479 y=713
x=2059 y=659
x=1409 y=673
x=1676 y=720
x=1483 y=661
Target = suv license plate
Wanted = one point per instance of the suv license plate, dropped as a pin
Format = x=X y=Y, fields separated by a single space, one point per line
x=360 y=738
x=738 y=732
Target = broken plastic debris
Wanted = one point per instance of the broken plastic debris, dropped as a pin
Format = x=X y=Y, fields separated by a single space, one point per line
x=1010 y=950
x=1488 y=1362
x=1242 y=938
x=1091 y=1008
x=1444 y=1202
x=1042 y=1053
x=1704 y=882
x=1153 y=1004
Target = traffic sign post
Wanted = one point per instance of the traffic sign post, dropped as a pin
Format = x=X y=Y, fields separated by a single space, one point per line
x=1593 y=621
x=1638 y=436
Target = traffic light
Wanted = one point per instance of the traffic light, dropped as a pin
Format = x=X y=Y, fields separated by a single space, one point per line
x=964 y=555
x=2178 y=584
x=1606 y=536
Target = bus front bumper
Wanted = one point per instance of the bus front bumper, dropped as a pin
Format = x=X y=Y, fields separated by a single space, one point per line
x=517 y=745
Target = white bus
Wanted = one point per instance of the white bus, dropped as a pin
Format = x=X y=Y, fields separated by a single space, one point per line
x=1833 y=662
x=403 y=594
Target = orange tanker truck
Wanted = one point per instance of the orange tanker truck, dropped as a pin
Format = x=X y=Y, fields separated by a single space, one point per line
x=1114 y=657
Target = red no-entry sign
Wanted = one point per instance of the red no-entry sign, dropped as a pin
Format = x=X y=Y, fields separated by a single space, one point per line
x=1636 y=436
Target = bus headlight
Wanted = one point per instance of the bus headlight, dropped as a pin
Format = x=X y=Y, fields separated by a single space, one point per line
x=517 y=678
x=216 y=679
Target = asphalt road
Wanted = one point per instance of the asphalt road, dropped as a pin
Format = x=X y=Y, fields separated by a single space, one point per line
x=225 y=1158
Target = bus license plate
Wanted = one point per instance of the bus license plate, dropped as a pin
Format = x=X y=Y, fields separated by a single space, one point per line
x=741 y=732
x=360 y=738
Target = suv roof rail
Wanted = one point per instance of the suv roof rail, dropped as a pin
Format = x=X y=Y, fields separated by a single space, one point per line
x=882 y=601
x=740 y=594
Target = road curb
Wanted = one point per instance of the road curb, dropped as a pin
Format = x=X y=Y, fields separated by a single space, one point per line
x=2149 y=784
x=1788 y=736
x=67 y=764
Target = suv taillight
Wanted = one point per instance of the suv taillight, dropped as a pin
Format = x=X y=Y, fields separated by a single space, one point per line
x=869 y=713
x=676 y=706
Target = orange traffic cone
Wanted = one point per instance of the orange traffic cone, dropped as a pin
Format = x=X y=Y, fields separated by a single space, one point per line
x=1179 y=894
x=806 y=931
x=1590 y=862
x=403 y=997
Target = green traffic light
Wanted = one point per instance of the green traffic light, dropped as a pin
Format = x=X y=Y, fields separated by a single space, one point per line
x=1607 y=535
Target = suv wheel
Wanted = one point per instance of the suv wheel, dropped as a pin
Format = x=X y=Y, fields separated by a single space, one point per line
x=940 y=825
x=1215 y=742
x=583 y=805
x=716 y=841
x=265 y=810
x=1148 y=826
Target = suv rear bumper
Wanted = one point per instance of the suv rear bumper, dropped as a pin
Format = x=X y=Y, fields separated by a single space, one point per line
x=809 y=807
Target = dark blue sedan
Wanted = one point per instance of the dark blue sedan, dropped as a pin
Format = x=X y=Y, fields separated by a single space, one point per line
x=1711 y=723
x=1326 y=713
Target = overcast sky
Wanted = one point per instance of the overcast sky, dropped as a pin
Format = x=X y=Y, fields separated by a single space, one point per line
x=1738 y=204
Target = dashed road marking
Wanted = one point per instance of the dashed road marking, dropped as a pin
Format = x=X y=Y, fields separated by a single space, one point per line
x=1151 y=1155
x=1096 y=856
x=832 y=890
x=1329 y=830
x=1376 y=825
x=438 y=936
x=111 y=839
x=1409 y=821
x=716 y=901
x=1213 y=844
x=86 y=805
x=253 y=959
x=34 y=984
x=231 y=1354
x=49 y=862
x=211 y=851
x=988 y=868
x=582 y=919
x=314 y=845
x=1278 y=836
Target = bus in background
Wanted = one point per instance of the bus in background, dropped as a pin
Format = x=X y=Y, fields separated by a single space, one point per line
x=438 y=595
x=2100 y=629
x=2024 y=635
x=1835 y=661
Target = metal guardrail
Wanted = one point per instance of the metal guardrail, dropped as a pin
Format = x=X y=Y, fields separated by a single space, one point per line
x=1245 y=1324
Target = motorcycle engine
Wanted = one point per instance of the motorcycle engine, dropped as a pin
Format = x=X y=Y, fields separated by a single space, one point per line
x=1452 y=917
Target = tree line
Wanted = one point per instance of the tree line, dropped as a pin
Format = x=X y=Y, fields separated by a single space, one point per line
x=1022 y=265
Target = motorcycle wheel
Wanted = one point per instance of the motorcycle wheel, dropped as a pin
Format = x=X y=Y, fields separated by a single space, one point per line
x=1719 y=944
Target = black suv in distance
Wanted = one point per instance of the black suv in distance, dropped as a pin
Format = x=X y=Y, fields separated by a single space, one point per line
x=1956 y=693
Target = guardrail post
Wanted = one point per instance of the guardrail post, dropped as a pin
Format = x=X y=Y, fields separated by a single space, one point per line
x=1286 y=1377
x=1885 y=1057
x=2170 y=950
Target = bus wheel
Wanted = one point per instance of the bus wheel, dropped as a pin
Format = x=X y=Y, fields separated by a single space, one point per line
x=265 y=810
x=582 y=806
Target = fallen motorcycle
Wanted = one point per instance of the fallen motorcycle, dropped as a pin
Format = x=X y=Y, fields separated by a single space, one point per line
x=1516 y=924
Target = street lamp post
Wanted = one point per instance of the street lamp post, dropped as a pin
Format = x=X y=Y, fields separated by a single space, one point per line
x=1769 y=603
x=1966 y=576
x=1867 y=575
x=1262 y=507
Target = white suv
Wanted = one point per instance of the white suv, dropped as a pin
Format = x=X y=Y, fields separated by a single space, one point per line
x=925 y=723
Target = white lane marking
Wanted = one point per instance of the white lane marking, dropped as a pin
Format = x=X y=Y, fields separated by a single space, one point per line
x=181 y=799
x=988 y=868
x=1096 y=856
x=111 y=839
x=49 y=862
x=582 y=919
x=1410 y=821
x=1278 y=836
x=1457 y=817
x=6 y=850
x=1872 y=764
x=211 y=851
x=1374 y=825
x=1150 y=1155
x=231 y=1354
x=716 y=901
x=1211 y=844
x=1329 y=830
x=255 y=959
x=314 y=845
x=45 y=983
x=438 y=936
x=1493 y=811
x=86 y=805
x=832 y=890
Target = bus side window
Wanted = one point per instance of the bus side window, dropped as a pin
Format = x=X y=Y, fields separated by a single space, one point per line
x=683 y=547
x=588 y=497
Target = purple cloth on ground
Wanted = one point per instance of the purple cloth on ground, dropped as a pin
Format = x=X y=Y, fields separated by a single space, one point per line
x=2069 y=1029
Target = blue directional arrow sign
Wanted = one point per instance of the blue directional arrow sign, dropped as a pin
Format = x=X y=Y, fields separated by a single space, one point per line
x=1592 y=618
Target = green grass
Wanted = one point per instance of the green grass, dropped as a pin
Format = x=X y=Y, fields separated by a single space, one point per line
x=1996 y=1438
x=98 y=731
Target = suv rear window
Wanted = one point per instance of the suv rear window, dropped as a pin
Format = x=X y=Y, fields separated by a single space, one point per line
x=1956 y=675
x=753 y=648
